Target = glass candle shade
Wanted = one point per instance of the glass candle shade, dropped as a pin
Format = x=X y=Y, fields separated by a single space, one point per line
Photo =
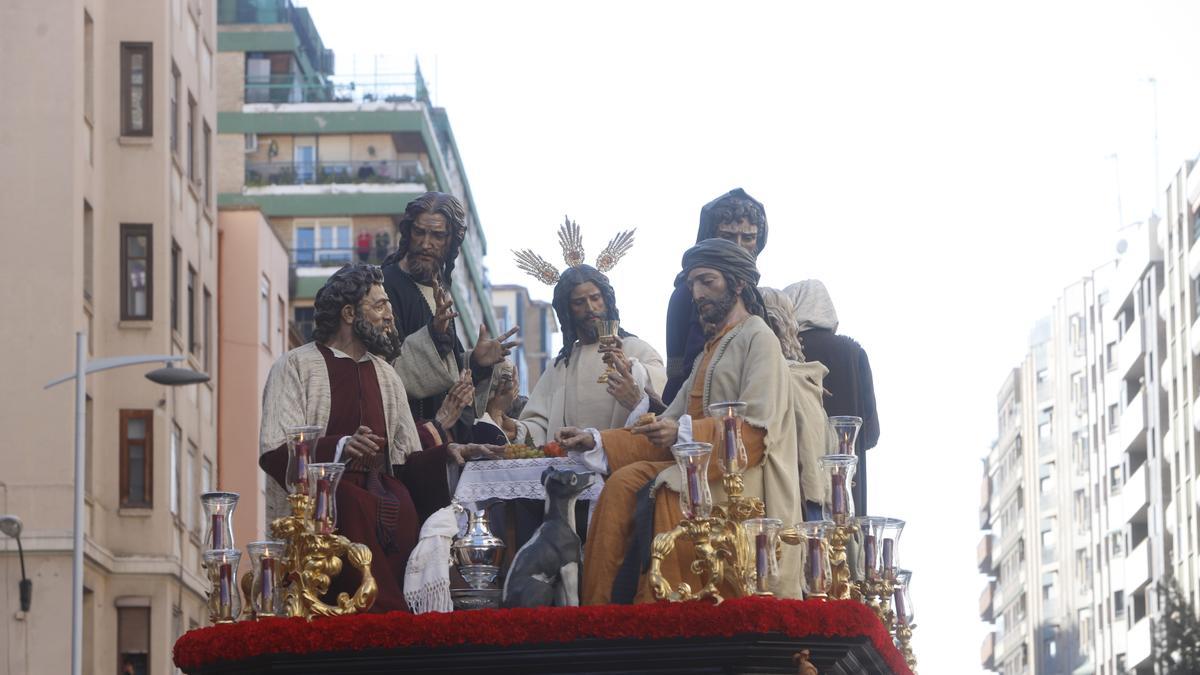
x=763 y=534
x=302 y=451
x=730 y=451
x=696 y=498
x=840 y=471
x=901 y=600
x=890 y=545
x=323 y=478
x=218 y=518
x=870 y=560
x=266 y=560
x=844 y=430
x=224 y=602
x=815 y=554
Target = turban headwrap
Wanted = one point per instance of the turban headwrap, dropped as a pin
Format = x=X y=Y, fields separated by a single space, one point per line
x=727 y=257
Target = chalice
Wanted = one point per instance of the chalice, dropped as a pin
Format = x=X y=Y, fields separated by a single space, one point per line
x=607 y=331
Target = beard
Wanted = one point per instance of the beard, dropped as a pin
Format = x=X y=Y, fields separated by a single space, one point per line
x=379 y=340
x=713 y=312
x=421 y=268
x=586 y=329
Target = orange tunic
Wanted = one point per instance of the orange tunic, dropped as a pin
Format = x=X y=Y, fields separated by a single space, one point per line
x=634 y=461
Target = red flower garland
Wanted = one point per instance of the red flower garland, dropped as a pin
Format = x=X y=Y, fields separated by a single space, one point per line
x=541 y=625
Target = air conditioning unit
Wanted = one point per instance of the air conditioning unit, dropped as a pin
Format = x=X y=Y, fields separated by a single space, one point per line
x=251 y=142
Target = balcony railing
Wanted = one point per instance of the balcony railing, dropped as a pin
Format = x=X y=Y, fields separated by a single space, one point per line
x=338 y=172
x=318 y=256
x=341 y=89
x=280 y=11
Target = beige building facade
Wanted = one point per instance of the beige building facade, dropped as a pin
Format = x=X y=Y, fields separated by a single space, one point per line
x=111 y=229
x=254 y=333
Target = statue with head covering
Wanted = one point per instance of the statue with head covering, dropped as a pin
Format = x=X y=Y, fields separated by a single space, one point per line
x=741 y=361
x=568 y=393
x=738 y=218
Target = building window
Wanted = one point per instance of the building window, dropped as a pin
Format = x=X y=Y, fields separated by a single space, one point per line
x=193 y=333
x=191 y=138
x=137 y=270
x=281 y=328
x=137 y=89
x=137 y=458
x=174 y=109
x=207 y=150
x=264 y=312
x=1110 y=356
x=88 y=250
x=1195 y=299
x=208 y=336
x=89 y=69
x=176 y=441
x=189 y=484
x=1114 y=418
x=176 y=254
x=133 y=640
x=206 y=477
x=322 y=244
x=304 y=318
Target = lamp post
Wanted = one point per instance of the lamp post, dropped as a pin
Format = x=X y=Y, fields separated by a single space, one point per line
x=11 y=525
x=168 y=376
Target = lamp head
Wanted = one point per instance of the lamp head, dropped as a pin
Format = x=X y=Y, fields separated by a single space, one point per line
x=176 y=377
x=10 y=525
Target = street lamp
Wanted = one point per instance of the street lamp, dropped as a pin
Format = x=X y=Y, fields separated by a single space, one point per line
x=11 y=525
x=168 y=376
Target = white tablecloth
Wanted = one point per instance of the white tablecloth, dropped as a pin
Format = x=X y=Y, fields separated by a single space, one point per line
x=516 y=479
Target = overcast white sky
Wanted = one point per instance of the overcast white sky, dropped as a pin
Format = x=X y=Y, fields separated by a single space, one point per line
x=941 y=166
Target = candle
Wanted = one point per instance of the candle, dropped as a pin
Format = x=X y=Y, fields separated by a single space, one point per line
x=693 y=485
x=302 y=466
x=267 y=585
x=321 y=512
x=839 y=494
x=218 y=531
x=816 y=583
x=224 y=588
x=898 y=600
x=760 y=560
x=888 y=545
x=869 y=555
x=731 y=448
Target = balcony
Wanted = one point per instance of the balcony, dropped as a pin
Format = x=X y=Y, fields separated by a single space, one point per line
x=1130 y=351
x=986 y=602
x=371 y=172
x=1137 y=568
x=1135 y=496
x=394 y=89
x=1133 y=423
x=1138 y=645
x=987 y=652
x=280 y=12
x=984 y=553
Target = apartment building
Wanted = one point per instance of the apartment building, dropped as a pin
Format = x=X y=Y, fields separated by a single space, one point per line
x=332 y=162
x=1041 y=500
x=109 y=127
x=538 y=323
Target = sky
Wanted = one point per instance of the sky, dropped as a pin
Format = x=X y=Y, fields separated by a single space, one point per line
x=946 y=168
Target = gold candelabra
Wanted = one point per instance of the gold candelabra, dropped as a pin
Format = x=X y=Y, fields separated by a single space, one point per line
x=312 y=559
x=724 y=554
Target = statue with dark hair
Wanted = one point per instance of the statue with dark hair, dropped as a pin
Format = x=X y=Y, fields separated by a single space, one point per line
x=568 y=393
x=343 y=382
x=736 y=217
x=417 y=278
